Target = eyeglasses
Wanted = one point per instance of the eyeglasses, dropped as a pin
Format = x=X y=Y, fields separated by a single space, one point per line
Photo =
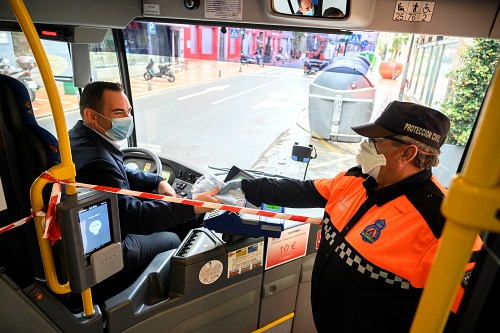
x=391 y=138
x=374 y=140
x=396 y=139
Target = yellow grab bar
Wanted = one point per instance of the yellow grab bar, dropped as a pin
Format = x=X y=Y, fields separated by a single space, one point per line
x=472 y=204
x=65 y=171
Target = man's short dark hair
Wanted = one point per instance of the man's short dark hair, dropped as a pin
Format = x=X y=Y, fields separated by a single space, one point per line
x=299 y=2
x=333 y=12
x=92 y=95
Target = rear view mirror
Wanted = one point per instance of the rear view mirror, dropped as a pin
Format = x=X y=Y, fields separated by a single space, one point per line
x=332 y=9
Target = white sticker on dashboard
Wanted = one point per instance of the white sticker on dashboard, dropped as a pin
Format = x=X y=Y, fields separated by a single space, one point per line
x=414 y=11
x=211 y=272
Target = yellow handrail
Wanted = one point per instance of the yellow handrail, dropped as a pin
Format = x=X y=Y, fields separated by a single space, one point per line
x=65 y=171
x=471 y=205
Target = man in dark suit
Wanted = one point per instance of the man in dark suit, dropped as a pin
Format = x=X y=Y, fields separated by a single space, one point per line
x=106 y=119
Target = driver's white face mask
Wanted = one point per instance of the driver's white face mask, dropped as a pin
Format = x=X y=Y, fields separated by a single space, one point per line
x=310 y=13
x=369 y=159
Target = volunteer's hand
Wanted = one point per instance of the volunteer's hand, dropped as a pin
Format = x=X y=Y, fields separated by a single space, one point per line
x=231 y=185
x=208 y=197
x=164 y=188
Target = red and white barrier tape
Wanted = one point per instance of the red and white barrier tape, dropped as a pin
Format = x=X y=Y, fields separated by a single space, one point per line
x=56 y=196
x=20 y=222
x=212 y=205
x=52 y=231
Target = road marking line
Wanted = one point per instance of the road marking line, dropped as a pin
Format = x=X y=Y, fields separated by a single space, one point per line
x=246 y=91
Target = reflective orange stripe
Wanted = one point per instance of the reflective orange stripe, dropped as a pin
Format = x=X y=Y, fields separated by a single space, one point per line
x=406 y=245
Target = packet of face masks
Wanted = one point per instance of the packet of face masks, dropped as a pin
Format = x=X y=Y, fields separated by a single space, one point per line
x=209 y=182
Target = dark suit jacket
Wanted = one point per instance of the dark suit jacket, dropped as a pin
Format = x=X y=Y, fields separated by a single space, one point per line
x=98 y=162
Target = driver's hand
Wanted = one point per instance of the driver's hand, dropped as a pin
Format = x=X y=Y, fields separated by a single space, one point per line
x=164 y=188
x=208 y=197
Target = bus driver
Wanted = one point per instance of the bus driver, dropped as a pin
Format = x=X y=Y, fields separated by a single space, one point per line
x=106 y=119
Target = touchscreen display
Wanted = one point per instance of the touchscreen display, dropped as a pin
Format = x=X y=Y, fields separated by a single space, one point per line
x=95 y=226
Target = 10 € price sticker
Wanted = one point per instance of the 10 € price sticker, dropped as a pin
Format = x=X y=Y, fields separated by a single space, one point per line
x=291 y=245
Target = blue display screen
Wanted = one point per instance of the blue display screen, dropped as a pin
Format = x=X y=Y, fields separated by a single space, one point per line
x=95 y=226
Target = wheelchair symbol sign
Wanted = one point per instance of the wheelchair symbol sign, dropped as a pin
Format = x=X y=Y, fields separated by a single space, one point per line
x=415 y=11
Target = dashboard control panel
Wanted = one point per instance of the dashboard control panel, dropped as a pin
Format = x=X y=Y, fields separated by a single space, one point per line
x=176 y=173
x=182 y=188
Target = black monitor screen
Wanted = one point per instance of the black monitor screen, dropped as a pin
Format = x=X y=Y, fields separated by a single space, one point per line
x=95 y=226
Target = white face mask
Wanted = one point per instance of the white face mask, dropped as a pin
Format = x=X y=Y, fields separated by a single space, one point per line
x=121 y=128
x=310 y=13
x=369 y=159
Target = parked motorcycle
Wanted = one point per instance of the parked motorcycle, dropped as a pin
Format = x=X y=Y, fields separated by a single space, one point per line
x=284 y=57
x=165 y=71
x=245 y=59
x=22 y=74
x=308 y=68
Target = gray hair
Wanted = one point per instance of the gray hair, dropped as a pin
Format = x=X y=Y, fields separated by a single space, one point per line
x=426 y=157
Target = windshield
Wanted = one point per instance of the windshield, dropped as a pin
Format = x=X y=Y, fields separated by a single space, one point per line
x=215 y=97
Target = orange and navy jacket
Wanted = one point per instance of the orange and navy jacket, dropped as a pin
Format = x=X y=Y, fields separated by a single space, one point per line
x=376 y=249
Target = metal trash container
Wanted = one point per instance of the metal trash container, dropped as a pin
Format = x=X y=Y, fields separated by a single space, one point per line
x=340 y=97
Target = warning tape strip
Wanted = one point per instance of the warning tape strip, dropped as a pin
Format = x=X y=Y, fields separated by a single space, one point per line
x=52 y=230
x=146 y=195
x=20 y=222
x=198 y=203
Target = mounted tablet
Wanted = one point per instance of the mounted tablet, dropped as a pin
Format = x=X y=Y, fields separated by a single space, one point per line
x=90 y=233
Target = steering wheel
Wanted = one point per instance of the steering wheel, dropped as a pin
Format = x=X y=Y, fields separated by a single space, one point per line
x=148 y=153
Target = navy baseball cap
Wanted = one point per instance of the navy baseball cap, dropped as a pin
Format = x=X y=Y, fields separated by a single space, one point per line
x=419 y=122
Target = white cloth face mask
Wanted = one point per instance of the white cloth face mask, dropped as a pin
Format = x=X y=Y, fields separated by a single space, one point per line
x=369 y=159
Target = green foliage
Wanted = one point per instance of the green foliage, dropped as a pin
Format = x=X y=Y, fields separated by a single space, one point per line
x=468 y=88
x=397 y=42
x=382 y=49
x=297 y=39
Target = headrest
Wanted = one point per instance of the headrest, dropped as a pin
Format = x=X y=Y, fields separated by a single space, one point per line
x=27 y=116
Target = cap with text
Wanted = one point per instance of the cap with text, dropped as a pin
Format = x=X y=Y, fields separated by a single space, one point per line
x=419 y=122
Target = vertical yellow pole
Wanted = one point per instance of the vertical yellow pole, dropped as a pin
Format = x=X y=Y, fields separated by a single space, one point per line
x=472 y=204
x=65 y=171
